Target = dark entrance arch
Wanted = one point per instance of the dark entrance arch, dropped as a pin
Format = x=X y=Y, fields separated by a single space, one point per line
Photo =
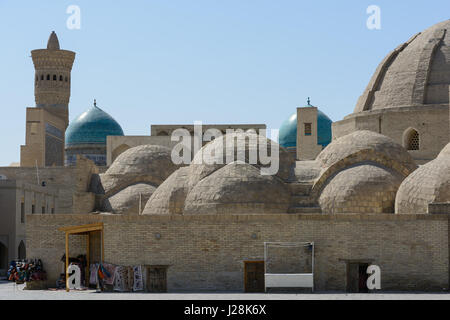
x=3 y=258
x=22 y=252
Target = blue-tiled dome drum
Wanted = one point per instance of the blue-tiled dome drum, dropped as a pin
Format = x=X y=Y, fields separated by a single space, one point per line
x=86 y=135
x=287 y=136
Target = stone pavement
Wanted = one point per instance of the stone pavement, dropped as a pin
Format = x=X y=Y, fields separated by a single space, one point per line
x=10 y=291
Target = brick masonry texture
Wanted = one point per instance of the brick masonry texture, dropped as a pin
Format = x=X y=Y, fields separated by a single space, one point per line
x=409 y=90
x=207 y=252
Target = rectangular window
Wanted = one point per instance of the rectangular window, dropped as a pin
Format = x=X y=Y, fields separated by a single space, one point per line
x=32 y=208
x=43 y=209
x=22 y=212
x=53 y=210
x=308 y=129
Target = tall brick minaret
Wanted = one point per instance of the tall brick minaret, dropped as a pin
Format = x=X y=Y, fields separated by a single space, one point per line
x=47 y=122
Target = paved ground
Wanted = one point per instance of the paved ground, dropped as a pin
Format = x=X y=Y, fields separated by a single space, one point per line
x=10 y=291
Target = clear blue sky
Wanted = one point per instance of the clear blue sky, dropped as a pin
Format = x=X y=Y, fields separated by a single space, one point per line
x=228 y=61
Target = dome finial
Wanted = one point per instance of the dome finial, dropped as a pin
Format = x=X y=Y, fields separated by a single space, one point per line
x=309 y=101
x=53 y=43
x=95 y=102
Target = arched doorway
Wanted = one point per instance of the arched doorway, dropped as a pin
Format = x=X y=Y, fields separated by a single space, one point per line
x=22 y=252
x=3 y=259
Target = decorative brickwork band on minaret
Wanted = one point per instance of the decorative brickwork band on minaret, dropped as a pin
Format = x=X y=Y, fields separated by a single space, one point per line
x=52 y=77
x=47 y=122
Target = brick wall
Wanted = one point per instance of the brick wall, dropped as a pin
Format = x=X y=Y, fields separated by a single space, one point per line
x=71 y=183
x=439 y=208
x=430 y=122
x=206 y=253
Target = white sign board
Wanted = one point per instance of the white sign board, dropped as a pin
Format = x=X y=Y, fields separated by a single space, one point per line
x=289 y=280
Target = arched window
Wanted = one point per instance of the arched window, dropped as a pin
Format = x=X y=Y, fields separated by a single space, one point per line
x=60 y=78
x=42 y=77
x=22 y=253
x=54 y=77
x=48 y=77
x=411 y=139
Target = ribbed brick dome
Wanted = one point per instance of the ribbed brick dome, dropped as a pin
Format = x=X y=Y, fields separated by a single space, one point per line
x=417 y=72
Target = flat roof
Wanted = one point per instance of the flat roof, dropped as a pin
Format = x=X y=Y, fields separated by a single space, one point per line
x=82 y=229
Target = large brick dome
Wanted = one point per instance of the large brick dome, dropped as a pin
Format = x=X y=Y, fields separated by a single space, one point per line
x=415 y=73
x=407 y=98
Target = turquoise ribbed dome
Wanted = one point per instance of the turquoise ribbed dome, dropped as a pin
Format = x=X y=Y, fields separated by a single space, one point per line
x=92 y=127
x=287 y=136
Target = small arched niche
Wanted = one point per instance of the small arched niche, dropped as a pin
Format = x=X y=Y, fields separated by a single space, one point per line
x=22 y=253
x=411 y=139
x=117 y=151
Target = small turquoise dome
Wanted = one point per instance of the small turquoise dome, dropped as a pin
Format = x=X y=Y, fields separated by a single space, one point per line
x=287 y=136
x=92 y=127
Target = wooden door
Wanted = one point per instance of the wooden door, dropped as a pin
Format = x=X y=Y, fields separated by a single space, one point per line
x=157 y=279
x=363 y=276
x=254 y=276
x=357 y=277
x=352 y=277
